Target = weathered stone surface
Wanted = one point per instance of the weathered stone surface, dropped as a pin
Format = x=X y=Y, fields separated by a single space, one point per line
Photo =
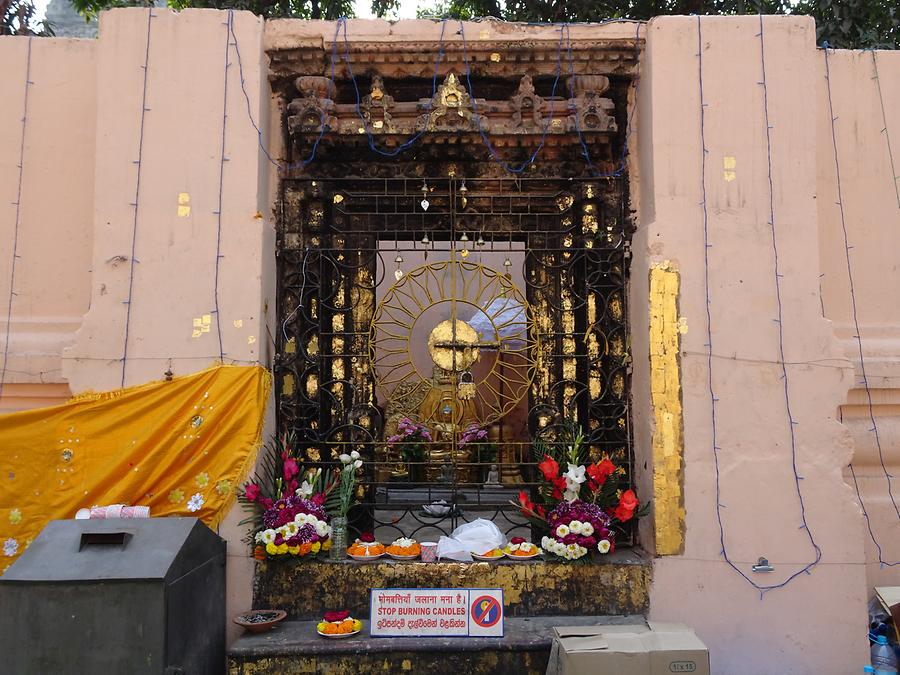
x=620 y=584
x=294 y=647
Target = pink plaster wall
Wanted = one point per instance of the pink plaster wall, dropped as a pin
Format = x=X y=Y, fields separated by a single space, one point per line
x=77 y=218
x=869 y=191
x=785 y=631
x=55 y=230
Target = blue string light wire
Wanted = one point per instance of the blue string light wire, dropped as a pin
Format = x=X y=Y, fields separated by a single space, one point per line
x=623 y=159
x=342 y=22
x=762 y=588
x=282 y=166
x=137 y=194
x=18 y=203
x=776 y=271
x=885 y=131
x=229 y=28
x=521 y=167
x=858 y=335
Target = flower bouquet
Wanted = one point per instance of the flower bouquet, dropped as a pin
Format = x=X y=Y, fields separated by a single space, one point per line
x=289 y=507
x=475 y=439
x=583 y=505
x=410 y=440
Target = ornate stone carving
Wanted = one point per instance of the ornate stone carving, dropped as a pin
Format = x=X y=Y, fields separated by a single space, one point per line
x=377 y=106
x=314 y=108
x=594 y=113
x=451 y=107
x=526 y=106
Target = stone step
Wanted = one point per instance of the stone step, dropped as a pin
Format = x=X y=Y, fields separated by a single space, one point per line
x=294 y=647
x=617 y=584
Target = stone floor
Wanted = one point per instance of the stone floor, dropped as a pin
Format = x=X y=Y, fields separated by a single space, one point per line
x=294 y=647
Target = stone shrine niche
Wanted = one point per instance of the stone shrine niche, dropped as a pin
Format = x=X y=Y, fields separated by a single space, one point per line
x=419 y=278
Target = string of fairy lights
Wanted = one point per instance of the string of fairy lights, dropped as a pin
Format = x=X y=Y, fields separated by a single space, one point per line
x=855 y=316
x=779 y=321
x=18 y=214
x=564 y=47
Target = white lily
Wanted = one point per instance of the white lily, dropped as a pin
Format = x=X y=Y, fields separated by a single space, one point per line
x=354 y=455
x=345 y=459
x=305 y=490
x=575 y=474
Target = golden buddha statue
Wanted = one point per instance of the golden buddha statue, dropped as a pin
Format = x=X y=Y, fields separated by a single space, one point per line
x=449 y=406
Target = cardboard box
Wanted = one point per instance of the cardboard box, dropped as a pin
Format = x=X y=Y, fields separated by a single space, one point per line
x=650 y=648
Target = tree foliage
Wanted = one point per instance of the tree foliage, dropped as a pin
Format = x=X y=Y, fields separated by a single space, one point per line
x=850 y=24
x=18 y=17
x=270 y=9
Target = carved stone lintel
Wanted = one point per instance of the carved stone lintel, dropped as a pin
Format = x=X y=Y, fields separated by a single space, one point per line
x=526 y=106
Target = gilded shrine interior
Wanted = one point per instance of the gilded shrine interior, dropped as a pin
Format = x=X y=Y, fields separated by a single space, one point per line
x=454 y=262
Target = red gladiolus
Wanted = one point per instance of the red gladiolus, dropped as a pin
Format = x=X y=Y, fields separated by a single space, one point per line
x=628 y=502
x=526 y=504
x=337 y=616
x=598 y=473
x=549 y=468
x=290 y=469
x=252 y=492
x=559 y=484
x=318 y=499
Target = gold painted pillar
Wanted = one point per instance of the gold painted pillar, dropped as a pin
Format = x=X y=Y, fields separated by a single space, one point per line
x=665 y=388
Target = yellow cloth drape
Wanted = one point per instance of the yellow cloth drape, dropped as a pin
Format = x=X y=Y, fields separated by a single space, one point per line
x=180 y=447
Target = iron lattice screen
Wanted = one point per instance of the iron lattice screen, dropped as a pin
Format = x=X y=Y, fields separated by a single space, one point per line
x=557 y=248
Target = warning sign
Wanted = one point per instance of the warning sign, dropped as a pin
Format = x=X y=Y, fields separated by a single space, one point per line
x=448 y=612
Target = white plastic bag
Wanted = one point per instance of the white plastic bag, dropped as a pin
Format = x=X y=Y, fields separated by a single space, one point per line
x=479 y=536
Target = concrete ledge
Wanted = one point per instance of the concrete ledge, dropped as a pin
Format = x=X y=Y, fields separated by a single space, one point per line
x=618 y=584
x=294 y=647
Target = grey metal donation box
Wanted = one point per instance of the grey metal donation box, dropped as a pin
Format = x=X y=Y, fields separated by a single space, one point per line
x=116 y=597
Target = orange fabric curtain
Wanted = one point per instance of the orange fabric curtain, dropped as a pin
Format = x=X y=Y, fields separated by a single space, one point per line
x=180 y=447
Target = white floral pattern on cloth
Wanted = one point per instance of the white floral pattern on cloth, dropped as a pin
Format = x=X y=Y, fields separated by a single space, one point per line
x=195 y=503
x=10 y=547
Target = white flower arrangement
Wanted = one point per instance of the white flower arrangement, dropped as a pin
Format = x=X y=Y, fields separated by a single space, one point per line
x=587 y=529
x=403 y=542
x=562 y=530
x=569 y=552
x=603 y=546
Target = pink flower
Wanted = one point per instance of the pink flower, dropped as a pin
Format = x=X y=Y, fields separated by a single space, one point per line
x=251 y=492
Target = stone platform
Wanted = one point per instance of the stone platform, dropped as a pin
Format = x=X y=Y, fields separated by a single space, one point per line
x=617 y=584
x=293 y=647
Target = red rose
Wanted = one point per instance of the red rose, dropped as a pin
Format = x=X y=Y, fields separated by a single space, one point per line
x=517 y=540
x=367 y=537
x=549 y=468
x=251 y=492
x=336 y=616
x=598 y=473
